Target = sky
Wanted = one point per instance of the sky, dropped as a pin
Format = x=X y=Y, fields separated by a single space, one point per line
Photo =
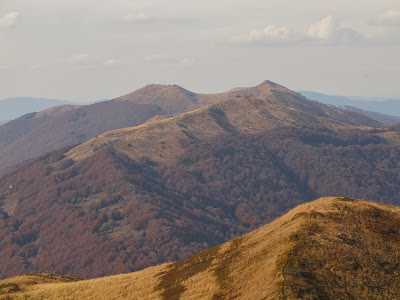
x=82 y=50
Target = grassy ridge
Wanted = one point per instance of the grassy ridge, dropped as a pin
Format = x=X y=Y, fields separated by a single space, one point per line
x=332 y=248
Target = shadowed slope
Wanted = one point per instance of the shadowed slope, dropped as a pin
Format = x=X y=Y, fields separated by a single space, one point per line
x=12 y=108
x=71 y=126
x=15 y=129
x=332 y=248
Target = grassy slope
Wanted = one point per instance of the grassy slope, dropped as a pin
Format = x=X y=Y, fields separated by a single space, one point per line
x=164 y=140
x=332 y=248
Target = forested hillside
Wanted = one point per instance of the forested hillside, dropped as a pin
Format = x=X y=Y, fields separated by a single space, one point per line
x=331 y=248
x=55 y=211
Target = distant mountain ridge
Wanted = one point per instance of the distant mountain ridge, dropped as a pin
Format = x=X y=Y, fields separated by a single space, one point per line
x=386 y=119
x=331 y=248
x=389 y=107
x=12 y=108
x=78 y=124
x=256 y=109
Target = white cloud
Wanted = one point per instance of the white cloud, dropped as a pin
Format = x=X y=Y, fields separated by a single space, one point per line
x=112 y=62
x=160 y=58
x=136 y=18
x=81 y=60
x=87 y=61
x=388 y=18
x=329 y=30
x=326 y=31
x=188 y=61
x=323 y=29
x=273 y=33
x=9 y=19
x=143 y=18
x=169 y=59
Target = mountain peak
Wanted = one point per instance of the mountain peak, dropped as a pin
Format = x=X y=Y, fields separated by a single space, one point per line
x=154 y=89
x=268 y=83
x=171 y=99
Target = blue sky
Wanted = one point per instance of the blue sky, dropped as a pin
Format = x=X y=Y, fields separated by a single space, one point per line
x=89 y=49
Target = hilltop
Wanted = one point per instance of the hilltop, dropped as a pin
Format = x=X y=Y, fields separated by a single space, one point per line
x=27 y=137
x=331 y=248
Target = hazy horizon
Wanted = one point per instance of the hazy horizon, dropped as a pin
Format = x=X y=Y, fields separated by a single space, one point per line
x=88 y=49
x=89 y=101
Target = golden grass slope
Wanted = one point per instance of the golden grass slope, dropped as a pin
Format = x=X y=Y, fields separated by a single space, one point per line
x=332 y=248
x=138 y=285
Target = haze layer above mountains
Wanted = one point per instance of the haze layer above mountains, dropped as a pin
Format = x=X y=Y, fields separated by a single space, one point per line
x=168 y=188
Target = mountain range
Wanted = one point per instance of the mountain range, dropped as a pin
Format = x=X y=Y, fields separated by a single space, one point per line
x=385 y=119
x=174 y=185
x=12 y=108
x=34 y=134
x=387 y=106
x=331 y=248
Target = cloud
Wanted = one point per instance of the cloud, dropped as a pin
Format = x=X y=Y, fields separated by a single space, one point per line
x=143 y=18
x=9 y=19
x=168 y=59
x=273 y=33
x=88 y=61
x=189 y=61
x=112 y=62
x=160 y=58
x=329 y=30
x=388 y=18
x=81 y=60
x=325 y=31
x=136 y=18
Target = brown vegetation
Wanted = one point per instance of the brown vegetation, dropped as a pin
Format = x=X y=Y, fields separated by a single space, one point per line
x=165 y=190
x=56 y=211
x=331 y=248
